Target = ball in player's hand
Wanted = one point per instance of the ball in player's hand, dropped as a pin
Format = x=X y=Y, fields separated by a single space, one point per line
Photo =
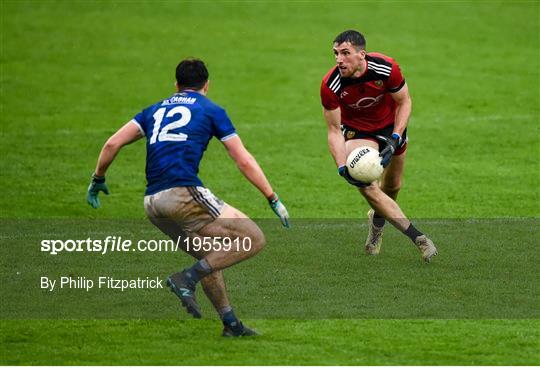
x=364 y=164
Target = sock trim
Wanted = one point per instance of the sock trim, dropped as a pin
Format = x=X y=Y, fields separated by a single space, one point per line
x=412 y=232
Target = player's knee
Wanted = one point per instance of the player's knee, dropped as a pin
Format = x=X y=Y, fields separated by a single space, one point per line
x=258 y=240
x=372 y=193
x=392 y=186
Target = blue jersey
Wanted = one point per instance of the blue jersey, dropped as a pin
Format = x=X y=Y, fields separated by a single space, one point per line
x=177 y=132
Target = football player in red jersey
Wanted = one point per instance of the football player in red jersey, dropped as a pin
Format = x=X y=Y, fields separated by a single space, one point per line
x=366 y=102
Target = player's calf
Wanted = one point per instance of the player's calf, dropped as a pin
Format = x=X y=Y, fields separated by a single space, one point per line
x=391 y=190
x=229 y=241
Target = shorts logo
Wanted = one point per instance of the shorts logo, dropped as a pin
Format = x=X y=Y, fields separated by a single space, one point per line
x=379 y=83
x=350 y=134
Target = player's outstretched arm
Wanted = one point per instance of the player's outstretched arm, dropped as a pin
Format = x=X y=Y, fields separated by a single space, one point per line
x=252 y=171
x=403 y=109
x=129 y=133
x=403 y=112
x=336 y=142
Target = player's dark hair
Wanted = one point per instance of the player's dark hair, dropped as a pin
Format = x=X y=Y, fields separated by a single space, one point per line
x=354 y=37
x=192 y=74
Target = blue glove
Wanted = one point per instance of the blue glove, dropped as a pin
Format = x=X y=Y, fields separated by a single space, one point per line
x=279 y=209
x=96 y=185
x=391 y=146
x=344 y=172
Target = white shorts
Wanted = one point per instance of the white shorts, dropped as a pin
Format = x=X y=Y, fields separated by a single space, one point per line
x=185 y=209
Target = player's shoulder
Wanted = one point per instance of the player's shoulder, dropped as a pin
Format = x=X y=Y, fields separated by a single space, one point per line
x=331 y=78
x=172 y=101
x=332 y=73
x=209 y=103
x=377 y=57
x=210 y=107
x=380 y=64
x=148 y=111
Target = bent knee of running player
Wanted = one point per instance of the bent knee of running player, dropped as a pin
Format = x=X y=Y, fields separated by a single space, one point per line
x=375 y=196
x=236 y=232
x=392 y=176
x=352 y=144
x=243 y=226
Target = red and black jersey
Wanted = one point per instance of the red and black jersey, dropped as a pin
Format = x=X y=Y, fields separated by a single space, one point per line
x=365 y=102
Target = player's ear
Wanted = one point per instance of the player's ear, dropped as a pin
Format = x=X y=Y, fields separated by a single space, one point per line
x=206 y=85
x=177 y=86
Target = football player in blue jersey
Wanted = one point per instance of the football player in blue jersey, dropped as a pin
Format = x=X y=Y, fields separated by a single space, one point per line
x=178 y=130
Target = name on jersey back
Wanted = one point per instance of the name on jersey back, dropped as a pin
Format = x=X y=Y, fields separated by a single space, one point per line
x=179 y=100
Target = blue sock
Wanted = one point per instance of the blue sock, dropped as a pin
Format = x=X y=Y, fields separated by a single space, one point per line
x=199 y=270
x=228 y=317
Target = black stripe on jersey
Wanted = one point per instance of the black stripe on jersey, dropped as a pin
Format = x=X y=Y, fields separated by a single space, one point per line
x=369 y=75
x=394 y=90
x=377 y=69
x=334 y=86
x=380 y=61
x=334 y=81
x=379 y=65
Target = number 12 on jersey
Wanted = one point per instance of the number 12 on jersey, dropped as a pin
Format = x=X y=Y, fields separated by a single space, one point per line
x=164 y=135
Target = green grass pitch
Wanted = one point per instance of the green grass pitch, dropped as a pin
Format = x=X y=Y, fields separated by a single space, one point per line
x=73 y=72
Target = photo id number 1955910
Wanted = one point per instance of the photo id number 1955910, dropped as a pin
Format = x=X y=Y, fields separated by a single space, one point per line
x=217 y=244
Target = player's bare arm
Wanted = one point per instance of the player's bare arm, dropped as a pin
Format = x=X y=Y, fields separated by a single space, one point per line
x=403 y=109
x=252 y=171
x=129 y=133
x=402 y=114
x=248 y=165
x=336 y=142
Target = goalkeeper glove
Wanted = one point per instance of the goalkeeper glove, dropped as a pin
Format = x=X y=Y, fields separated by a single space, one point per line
x=344 y=172
x=392 y=144
x=279 y=209
x=96 y=185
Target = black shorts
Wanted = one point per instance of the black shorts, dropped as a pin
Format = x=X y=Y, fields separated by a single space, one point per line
x=351 y=133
